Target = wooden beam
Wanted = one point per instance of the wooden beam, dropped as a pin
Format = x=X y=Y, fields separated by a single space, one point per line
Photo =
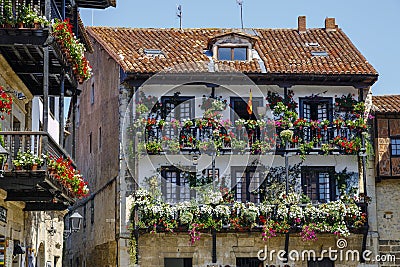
x=29 y=196
x=44 y=206
x=10 y=37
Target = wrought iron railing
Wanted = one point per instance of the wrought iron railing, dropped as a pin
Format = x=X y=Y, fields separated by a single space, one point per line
x=244 y=139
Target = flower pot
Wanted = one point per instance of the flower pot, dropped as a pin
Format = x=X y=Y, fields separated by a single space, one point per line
x=34 y=167
x=5 y=167
x=36 y=26
x=20 y=25
x=18 y=168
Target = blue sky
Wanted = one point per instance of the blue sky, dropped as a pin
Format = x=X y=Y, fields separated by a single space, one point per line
x=373 y=26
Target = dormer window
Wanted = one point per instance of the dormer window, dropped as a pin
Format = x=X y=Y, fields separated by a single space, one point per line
x=232 y=46
x=232 y=53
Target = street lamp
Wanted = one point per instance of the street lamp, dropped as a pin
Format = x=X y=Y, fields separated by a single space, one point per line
x=75 y=221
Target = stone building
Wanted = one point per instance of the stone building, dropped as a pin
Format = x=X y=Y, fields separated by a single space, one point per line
x=172 y=110
x=387 y=133
x=35 y=77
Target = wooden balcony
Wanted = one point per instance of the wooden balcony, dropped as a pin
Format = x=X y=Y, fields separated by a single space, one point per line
x=24 y=49
x=37 y=188
x=260 y=140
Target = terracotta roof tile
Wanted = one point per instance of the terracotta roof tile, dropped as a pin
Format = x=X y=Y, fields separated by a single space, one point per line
x=281 y=50
x=386 y=103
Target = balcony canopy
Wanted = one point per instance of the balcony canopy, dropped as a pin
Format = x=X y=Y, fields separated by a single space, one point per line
x=23 y=50
x=99 y=4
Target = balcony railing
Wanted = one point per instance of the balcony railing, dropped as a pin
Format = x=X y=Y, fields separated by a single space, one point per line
x=336 y=217
x=38 y=143
x=255 y=139
x=34 y=184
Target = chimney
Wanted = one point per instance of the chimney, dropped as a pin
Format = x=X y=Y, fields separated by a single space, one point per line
x=330 y=24
x=301 y=24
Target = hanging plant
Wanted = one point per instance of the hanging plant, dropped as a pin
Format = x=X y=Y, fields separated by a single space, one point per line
x=345 y=102
x=62 y=30
x=5 y=103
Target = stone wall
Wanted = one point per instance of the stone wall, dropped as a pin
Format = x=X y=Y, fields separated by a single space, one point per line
x=97 y=147
x=153 y=248
x=388 y=217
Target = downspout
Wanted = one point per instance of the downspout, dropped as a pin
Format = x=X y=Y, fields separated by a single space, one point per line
x=287 y=181
x=115 y=223
x=61 y=110
x=363 y=156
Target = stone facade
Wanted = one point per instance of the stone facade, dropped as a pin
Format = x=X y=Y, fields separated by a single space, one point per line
x=388 y=217
x=96 y=153
x=153 y=248
x=28 y=229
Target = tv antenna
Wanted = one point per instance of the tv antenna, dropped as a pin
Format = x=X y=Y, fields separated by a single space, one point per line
x=179 y=15
x=240 y=3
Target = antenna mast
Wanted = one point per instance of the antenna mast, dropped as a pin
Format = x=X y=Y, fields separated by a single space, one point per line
x=179 y=15
x=240 y=3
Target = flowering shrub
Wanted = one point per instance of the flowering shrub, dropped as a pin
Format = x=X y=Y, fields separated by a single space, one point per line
x=69 y=176
x=62 y=30
x=5 y=103
x=287 y=215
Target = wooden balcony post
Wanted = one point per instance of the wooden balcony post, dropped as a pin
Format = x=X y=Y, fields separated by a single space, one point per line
x=61 y=110
x=63 y=9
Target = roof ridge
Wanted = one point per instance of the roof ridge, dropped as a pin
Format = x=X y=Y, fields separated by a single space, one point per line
x=211 y=28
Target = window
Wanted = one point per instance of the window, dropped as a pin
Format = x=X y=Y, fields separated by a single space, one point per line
x=248 y=262
x=90 y=142
x=239 y=108
x=319 y=53
x=319 y=184
x=84 y=216
x=317 y=108
x=99 y=137
x=395 y=146
x=92 y=211
x=232 y=53
x=175 y=184
x=325 y=262
x=178 y=262
x=92 y=94
x=153 y=52
x=245 y=183
x=176 y=108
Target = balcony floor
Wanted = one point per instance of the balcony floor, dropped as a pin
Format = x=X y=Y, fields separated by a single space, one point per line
x=37 y=189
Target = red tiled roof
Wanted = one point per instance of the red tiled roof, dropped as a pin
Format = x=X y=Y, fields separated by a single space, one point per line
x=386 y=103
x=283 y=51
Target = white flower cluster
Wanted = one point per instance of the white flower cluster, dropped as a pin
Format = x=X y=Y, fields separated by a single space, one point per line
x=332 y=217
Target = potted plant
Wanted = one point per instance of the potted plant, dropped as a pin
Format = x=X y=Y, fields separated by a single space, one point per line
x=171 y=145
x=238 y=145
x=153 y=147
x=8 y=16
x=28 y=161
x=22 y=16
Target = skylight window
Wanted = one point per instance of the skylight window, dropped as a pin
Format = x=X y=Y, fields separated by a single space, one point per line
x=319 y=53
x=312 y=44
x=153 y=52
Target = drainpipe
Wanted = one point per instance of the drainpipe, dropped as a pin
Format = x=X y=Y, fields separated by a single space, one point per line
x=287 y=180
x=363 y=156
x=61 y=110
